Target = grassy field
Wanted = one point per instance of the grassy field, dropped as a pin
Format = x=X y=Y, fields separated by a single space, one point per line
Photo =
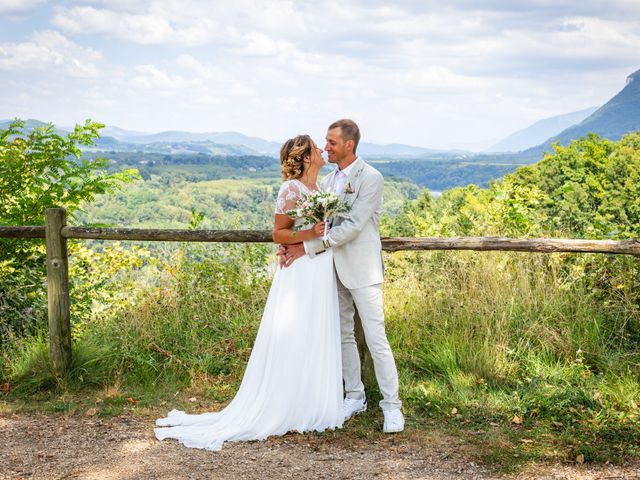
x=503 y=349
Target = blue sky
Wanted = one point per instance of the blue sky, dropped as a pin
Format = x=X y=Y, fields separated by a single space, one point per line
x=460 y=73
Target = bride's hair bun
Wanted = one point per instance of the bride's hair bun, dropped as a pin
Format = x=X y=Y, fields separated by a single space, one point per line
x=292 y=155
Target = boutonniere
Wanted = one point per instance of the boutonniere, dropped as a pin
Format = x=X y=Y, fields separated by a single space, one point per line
x=349 y=188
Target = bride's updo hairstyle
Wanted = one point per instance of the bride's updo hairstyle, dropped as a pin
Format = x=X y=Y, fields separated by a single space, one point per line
x=292 y=155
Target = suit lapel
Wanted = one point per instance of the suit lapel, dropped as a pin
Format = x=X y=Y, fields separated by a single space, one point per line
x=351 y=178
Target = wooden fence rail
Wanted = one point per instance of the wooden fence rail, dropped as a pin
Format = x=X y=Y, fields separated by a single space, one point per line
x=391 y=244
x=56 y=233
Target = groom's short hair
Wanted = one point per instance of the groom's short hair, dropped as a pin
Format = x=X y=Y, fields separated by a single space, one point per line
x=349 y=130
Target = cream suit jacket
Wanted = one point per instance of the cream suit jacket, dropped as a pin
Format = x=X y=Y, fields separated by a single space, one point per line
x=355 y=239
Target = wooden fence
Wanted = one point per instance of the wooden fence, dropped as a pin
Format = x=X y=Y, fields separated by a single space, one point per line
x=56 y=232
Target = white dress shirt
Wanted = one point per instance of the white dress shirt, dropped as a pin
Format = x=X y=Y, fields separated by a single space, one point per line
x=339 y=184
x=340 y=178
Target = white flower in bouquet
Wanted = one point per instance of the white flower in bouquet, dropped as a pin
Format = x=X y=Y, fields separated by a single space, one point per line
x=317 y=206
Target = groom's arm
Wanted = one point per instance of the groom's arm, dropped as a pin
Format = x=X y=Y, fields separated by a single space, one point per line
x=313 y=247
x=363 y=208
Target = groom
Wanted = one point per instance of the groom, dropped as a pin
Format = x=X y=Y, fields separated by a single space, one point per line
x=357 y=257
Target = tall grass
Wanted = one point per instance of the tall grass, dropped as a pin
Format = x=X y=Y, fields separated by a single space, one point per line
x=480 y=339
x=514 y=338
x=195 y=328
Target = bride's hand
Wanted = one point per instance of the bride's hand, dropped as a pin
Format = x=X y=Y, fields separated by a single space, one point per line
x=318 y=229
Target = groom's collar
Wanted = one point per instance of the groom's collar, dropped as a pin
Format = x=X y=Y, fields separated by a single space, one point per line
x=347 y=170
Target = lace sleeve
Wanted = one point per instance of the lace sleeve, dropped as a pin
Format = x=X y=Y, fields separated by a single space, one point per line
x=287 y=197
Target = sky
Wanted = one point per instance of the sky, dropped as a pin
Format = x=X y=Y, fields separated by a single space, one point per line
x=453 y=74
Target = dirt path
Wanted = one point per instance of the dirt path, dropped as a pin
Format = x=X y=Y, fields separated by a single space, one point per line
x=76 y=447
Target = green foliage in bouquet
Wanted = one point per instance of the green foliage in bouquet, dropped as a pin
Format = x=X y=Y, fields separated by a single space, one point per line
x=318 y=206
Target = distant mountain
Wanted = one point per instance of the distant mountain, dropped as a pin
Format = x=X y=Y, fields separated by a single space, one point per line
x=259 y=145
x=540 y=131
x=396 y=150
x=232 y=143
x=120 y=133
x=224 y=143
x=30 y=124
x=254 y=144
x=172 y=147
x=618 y=116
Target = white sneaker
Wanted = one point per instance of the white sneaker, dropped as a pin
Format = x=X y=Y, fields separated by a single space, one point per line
x=393 y=421
x=351 y=406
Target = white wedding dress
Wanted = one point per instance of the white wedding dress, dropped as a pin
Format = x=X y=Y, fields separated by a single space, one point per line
x=293 y=380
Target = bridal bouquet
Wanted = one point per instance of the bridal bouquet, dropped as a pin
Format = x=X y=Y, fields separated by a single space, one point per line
x=317 y=206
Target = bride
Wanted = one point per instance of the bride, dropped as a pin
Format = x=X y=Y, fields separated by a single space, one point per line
x=293 y=380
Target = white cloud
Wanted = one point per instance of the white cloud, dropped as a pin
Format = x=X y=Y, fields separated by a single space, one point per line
x=440 y=78
x=145 y=29
x=153 y=78
x=259 y=44
x=18 y=7
x=49 y=49
x=183 y=23
x=600 y=37
x=226 y=80
x=204 y=71
x=411 y=71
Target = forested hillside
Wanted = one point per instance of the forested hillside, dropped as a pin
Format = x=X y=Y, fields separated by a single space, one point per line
x=589 y=189
x=170 y=200
x=435 y=171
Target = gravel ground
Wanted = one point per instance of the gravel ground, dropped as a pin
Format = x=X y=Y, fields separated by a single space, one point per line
x=80 y=447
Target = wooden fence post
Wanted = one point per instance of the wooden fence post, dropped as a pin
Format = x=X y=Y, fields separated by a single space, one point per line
x=58 y=290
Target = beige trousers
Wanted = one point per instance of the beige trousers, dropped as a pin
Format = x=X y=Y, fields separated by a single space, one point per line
x=368 y=301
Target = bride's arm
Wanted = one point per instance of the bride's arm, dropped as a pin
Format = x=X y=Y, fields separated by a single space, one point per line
x=284 y=234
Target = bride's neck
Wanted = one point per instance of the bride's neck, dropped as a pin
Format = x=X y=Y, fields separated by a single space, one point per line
x=310 y=177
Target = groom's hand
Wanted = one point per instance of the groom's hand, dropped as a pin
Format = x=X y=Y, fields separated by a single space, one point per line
x=290 y=253
x=282 y=253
